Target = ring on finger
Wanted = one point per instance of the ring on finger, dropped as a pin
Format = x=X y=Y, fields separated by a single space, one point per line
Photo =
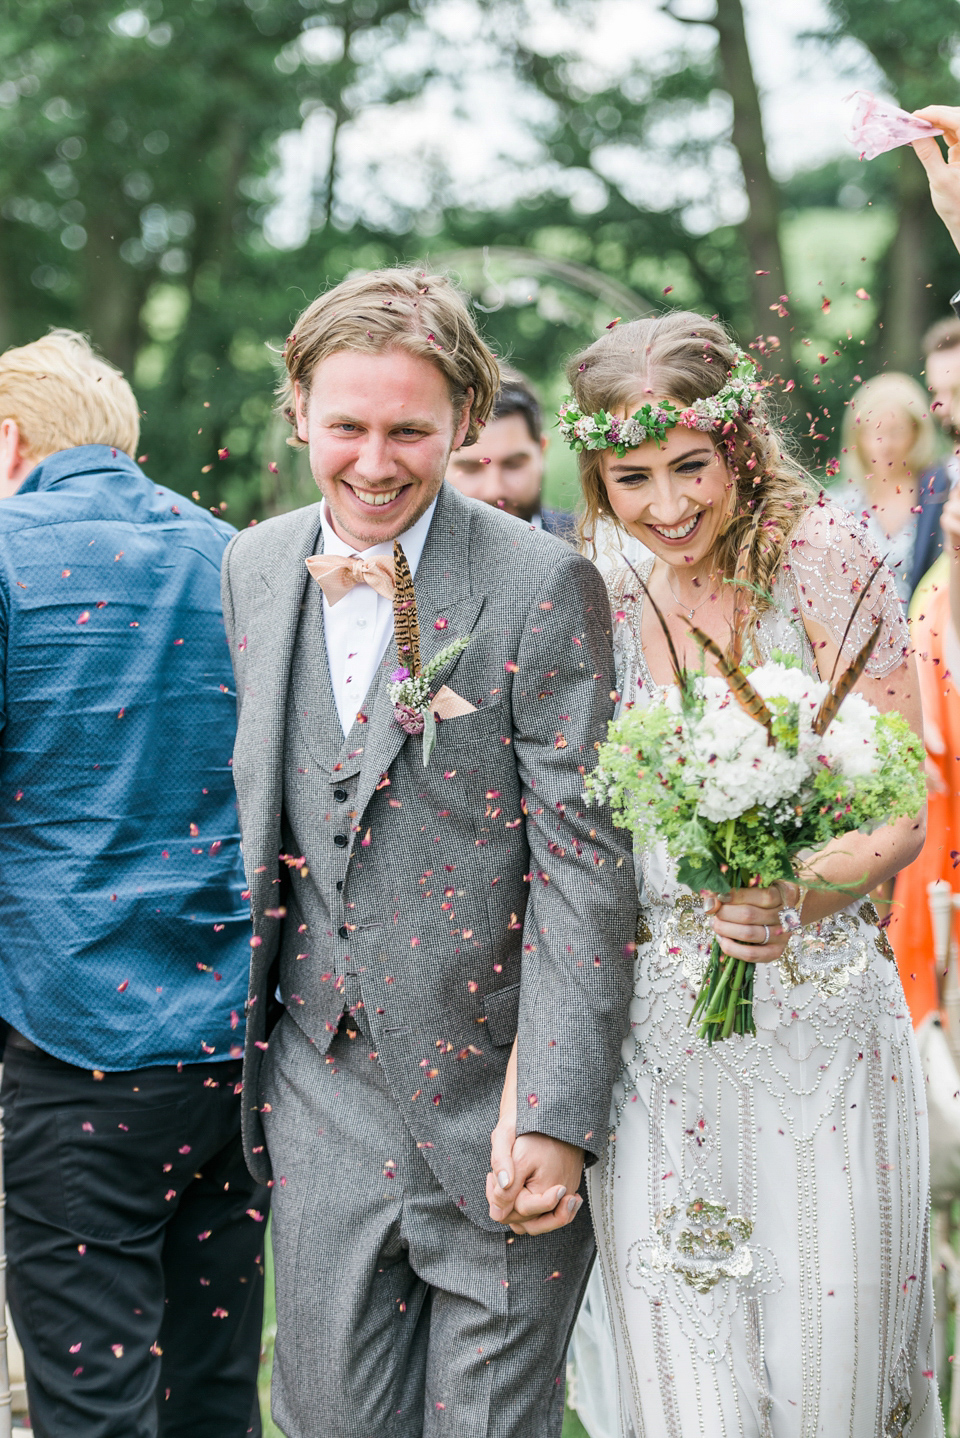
x=766 y=933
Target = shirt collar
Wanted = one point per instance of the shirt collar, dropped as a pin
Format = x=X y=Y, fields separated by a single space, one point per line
x=82 y=459
x=412 y=539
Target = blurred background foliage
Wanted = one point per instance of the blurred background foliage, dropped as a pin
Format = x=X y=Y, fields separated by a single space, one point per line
x=179 y=177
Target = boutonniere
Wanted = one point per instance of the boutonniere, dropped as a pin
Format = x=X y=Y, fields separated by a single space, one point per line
x=409 y=683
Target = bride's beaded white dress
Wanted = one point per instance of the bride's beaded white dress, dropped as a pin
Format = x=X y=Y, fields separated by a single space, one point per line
x=761 y=1213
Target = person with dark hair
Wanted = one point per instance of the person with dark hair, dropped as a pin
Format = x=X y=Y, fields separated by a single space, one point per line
x=941 y=348
x=505 y=467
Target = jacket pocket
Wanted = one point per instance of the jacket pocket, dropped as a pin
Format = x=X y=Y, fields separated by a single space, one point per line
x=475 y=727
x=502 y=1009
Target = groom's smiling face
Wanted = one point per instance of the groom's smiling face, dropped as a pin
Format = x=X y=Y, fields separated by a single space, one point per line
x=380 y=428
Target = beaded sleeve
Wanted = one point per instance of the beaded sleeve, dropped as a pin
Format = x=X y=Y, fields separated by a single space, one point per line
x=828 y=560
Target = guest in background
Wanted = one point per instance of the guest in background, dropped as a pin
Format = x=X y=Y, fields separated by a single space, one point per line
x=505 y=467
x=941 y=348
x=889 y=444
x=934 y=635
x=933 y=629
x=134 y=1231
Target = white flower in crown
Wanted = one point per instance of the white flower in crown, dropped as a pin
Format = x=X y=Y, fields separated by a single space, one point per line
x=632 y=433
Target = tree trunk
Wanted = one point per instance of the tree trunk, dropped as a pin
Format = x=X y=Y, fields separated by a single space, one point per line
x=113 y=293
x=905 y=305
x=761 y=228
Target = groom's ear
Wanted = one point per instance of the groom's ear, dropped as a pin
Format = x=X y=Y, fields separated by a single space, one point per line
x=300 y=397
x=463 y=423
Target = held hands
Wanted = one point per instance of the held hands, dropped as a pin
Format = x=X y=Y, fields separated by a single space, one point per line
x=534 y=1180
x=944 y=175
x=746 y=921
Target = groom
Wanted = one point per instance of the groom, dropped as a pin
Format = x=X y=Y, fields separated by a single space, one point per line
x=410 y=920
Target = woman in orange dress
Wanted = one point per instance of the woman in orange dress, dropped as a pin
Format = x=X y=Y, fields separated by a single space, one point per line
x=935 y=626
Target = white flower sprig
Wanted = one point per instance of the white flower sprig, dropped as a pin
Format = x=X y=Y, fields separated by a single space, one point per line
x=411 y=695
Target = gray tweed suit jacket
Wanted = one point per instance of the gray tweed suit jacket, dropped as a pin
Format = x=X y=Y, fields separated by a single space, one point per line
x=458 y=903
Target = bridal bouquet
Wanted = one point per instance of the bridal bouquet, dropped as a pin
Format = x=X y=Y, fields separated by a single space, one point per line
x=739 y=775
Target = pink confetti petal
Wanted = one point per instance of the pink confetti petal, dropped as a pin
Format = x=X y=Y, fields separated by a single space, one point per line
x=877 y=126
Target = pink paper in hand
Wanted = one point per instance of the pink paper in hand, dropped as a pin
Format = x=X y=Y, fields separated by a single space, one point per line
x=877 y=126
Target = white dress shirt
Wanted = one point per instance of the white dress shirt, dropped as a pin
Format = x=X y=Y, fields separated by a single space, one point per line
x=359 y=628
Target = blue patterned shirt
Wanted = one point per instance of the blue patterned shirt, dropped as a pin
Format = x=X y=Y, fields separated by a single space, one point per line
x=123 y=930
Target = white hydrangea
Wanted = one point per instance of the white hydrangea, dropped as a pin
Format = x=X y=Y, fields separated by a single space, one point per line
x=849 y=745
x=726 y=754
x=738 y=768
x=777 y=681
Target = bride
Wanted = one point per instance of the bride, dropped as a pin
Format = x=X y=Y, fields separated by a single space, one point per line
x=761 y=1212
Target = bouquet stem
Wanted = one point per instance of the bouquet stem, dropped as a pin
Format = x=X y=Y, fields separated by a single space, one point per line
x=717 y=1012
x=724 y=1004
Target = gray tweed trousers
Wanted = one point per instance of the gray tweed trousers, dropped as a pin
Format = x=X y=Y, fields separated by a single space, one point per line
x=397 y=1317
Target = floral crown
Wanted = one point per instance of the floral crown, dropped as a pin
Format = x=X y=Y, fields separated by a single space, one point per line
x=605 y=431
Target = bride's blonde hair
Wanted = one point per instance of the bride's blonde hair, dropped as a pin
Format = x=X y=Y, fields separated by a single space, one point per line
x=684 y=357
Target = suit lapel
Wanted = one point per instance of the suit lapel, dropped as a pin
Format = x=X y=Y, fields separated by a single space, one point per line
x=443 y=590
x=264 y=708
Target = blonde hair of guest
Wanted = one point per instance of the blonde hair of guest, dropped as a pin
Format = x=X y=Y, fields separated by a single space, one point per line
x=891 y=391
x=62 y=394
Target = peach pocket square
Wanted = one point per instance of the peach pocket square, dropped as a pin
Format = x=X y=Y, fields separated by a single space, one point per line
x=447 y=704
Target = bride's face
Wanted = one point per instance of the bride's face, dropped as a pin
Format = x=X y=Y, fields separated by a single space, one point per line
x=674 y=497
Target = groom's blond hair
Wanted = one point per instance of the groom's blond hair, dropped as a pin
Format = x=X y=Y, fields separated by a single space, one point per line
x=62 y=394
x=403 y=308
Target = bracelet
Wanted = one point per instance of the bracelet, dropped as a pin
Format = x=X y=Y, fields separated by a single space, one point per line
x=790 y=915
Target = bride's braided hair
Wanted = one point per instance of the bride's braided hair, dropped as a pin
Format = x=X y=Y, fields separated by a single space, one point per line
x=683 y=356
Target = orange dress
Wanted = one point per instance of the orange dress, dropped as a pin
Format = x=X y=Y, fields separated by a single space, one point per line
x=937 y=651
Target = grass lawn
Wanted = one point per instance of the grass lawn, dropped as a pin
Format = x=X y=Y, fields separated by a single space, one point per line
x=572 y=1428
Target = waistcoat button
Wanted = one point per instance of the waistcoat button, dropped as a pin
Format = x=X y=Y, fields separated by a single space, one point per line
x=341 y=840
x=339 y=795
x=343 y=931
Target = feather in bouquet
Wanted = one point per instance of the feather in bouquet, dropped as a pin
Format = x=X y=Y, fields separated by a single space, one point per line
x=741 y=774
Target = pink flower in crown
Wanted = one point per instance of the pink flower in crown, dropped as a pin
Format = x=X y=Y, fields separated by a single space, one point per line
x=411 y=721
x=688 y=418
x=613 y=430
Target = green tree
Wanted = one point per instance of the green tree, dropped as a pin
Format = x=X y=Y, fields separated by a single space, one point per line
x=136 y=154
x=913 y=43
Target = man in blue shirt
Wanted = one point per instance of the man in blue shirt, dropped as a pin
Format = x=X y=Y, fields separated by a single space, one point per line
x=135 y=1233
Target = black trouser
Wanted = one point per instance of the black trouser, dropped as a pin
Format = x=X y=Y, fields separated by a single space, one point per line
x=135 y=1239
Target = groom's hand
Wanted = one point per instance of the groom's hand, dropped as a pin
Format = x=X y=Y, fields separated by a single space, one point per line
x=533 y=1186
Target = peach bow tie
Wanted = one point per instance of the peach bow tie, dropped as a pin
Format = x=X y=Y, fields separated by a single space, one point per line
x=337 y=574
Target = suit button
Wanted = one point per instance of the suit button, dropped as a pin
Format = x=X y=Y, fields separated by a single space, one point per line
x=340 y=795
x=339 y=885
x=341 y=840
x=343 y=931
